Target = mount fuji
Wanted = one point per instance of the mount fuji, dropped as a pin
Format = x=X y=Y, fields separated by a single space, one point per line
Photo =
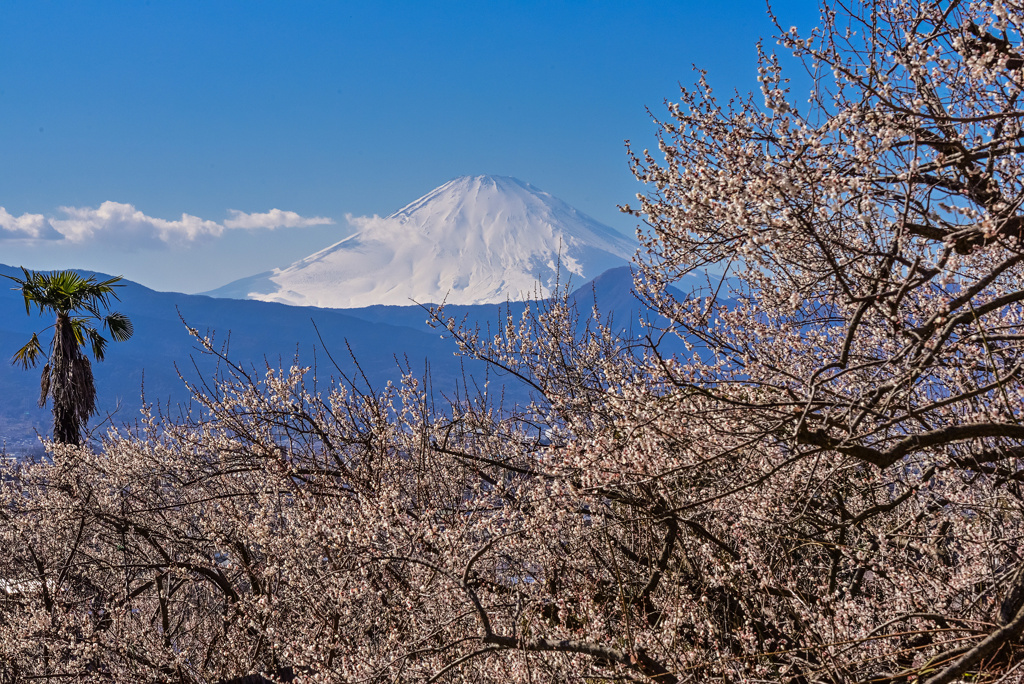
x=473 y=240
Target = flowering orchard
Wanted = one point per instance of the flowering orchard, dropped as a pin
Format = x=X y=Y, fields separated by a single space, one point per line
x=825 y=488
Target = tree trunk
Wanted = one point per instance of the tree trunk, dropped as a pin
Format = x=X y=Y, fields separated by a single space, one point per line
x=71 y=384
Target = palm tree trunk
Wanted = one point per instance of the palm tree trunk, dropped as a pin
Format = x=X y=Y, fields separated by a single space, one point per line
x=71 y=384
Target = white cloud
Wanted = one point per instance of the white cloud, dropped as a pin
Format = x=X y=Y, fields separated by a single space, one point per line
x=124 y=224
x=32 y=226
x=275 y=218
x=116 y=223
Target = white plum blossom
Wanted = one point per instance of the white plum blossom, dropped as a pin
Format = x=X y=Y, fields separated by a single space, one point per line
x=826 y=487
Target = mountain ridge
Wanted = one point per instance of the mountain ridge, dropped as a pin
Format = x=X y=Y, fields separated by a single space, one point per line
x=384 y=340
x=473 y=240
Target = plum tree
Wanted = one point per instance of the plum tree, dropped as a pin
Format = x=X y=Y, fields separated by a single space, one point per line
x=825 y=488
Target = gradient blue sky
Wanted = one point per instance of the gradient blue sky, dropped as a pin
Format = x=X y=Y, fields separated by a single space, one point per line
x=324 y=109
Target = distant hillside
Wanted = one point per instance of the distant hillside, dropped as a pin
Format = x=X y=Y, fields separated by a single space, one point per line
x=260 y=333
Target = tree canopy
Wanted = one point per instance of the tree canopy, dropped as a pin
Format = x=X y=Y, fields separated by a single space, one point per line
x=825 y=488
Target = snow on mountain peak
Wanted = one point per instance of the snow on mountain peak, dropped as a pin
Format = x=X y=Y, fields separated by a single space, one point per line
x=473 y=240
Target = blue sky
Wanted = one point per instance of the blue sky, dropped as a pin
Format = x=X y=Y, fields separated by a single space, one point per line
x=118 y=118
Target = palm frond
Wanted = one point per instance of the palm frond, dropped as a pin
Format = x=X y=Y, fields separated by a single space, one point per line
x=78 y=326
x=67 y=291
x=98 y=294
x=119 y=325
x=29 y=355
x=97 y=341
x=26 y=286
x=108 y=286
x=21 y=286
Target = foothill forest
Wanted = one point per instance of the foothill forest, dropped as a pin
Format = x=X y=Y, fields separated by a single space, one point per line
x=808 y=470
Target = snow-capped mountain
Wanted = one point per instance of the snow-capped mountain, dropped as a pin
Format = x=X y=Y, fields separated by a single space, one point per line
x=474 y=240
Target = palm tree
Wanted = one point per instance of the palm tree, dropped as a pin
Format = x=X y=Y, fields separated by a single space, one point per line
x=79 y=304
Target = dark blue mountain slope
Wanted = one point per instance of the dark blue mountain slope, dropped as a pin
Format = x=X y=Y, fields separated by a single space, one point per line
x=382 y=338
x=257 y=333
